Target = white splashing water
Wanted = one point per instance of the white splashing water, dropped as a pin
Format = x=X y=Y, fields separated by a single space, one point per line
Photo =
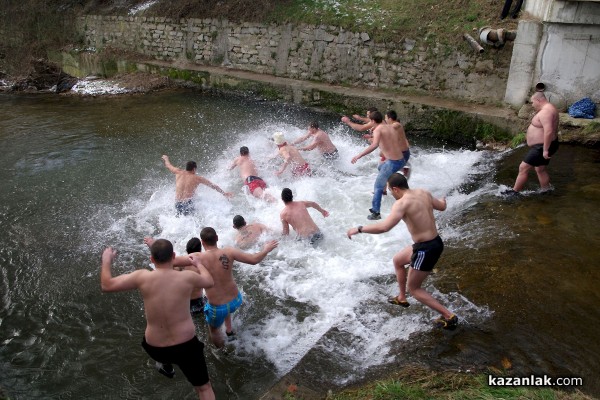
x=299 y=293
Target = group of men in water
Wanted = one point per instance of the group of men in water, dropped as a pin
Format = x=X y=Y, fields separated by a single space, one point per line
x=169 y=295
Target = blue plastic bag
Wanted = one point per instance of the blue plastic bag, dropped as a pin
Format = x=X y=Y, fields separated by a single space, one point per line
x=584 y=108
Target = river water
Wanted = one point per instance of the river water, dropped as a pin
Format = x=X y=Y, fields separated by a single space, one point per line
x=78 y=174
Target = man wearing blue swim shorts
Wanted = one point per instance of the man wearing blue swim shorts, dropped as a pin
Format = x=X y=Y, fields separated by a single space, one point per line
x=224 y=298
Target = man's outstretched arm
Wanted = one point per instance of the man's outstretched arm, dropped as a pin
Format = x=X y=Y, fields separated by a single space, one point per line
x=170 y=166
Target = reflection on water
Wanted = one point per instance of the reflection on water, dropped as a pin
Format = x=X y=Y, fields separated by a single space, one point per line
x=80 y=174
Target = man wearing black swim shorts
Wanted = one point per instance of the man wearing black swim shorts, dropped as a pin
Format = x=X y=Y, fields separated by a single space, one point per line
x=170 y=336
x=415 y=207
x=542 y=139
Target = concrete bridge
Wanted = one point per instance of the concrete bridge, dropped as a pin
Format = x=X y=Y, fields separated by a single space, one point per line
x=557 y=44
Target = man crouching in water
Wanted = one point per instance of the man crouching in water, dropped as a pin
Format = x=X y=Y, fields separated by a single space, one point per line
x=170 y=336
x=296 y=214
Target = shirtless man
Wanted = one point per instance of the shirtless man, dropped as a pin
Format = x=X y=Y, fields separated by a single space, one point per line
x=321 y=141
x=248 y=173
x=291 y=156
x=247 y=234
x=170 y=336
x=296 y=214
x=224 y=298
x=366 y=124
x=186 y=183
x=391 y=118
x=193 y=246
x=542 y=139
x=415 y=207
x=386 y=138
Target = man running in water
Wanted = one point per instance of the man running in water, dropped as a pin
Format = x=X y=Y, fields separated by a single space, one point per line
x=224 y=298
x=415 y=207
x=296 y=214
x=186 y=183
x=247 y=234
x=391 y=118
x=321 y=141
x=542 y=139
x=170 y=336
x=386 y=138
x=256 y=185
x=291 y=156
x=366 y=124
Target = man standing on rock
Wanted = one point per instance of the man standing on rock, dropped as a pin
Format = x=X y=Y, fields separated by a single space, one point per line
x=542 y=139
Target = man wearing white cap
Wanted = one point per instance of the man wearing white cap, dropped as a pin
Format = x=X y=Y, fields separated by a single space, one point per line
x=291 y=156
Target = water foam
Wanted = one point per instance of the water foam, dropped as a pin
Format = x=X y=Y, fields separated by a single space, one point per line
x=299 y=294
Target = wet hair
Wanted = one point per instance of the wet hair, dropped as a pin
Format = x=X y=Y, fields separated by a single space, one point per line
x=392 y=115
x=244 y=151
x=376 y=116
x=161 y=250
x=193 y=246
x=238 y=222
x=209 y=236
x=372 y=109
x=286 y=195
x=190 y=166
x=397 y=180
x=314 y=125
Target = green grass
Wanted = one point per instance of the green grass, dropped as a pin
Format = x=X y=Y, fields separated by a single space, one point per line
x=393 y=19
x=460 y=128
x=416 y=383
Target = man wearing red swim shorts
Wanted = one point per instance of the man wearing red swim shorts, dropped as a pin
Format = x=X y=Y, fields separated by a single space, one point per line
x=256 y=185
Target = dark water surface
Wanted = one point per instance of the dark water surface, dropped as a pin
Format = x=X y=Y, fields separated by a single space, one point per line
x=78 y=174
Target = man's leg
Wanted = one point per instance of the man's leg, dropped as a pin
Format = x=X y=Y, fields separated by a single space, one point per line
x=543 y=177
x=400 y=260
x=415 y=280
x=216 y=337
x=205 y=392
x=228 y=328
x=524 y=169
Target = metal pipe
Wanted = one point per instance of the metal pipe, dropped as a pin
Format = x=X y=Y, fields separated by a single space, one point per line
x=473 y=43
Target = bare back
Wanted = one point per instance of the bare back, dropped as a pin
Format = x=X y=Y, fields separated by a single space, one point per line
x=296 y=214
x=185 y=185
x=399 y=129
x=292 y=155
x=248 y=235
x=219 y=263
x=323 y=142
x=247 y=166
x=415 y=208
x=389 y=142
x=166 y=295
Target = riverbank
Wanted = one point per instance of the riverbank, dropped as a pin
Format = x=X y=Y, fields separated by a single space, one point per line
x=417 y=382
x=414 y=110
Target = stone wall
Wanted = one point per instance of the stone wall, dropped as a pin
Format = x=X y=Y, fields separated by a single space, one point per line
x=319 y=53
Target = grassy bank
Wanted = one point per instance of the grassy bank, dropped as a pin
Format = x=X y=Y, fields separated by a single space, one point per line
x=418 y=383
